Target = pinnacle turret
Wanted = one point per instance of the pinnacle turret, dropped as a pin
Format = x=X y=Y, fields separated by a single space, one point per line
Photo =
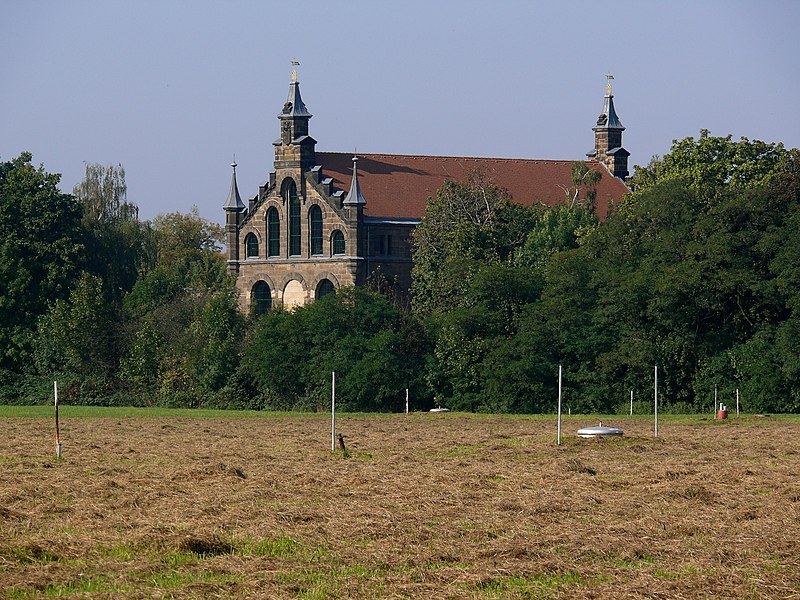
x=354 y=196
x=234 y=213
x=234 y=202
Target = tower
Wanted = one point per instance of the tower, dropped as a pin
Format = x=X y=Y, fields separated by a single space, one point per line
x=295 y=148
x=234 y=207
x=608 y=137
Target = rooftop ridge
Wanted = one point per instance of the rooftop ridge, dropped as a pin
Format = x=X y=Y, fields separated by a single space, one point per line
x=452 y=157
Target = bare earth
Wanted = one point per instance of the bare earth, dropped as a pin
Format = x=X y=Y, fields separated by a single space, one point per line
x=424 y=506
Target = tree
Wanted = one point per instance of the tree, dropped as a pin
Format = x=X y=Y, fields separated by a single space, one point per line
x=184 y=312
x=215 y=337
x=557 y=228
x=710 y=164
x=76 y=335
x=142 y=365
x=186 y=260
x=117 y=243
x=184 y=239
x=468 y=224
x=375 y=351
x=583 y=179
x=103 y=195
x=41 y=253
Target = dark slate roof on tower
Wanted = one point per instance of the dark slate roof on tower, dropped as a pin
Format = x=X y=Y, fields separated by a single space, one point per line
x=399 y=186
x=608 y=119
x=294 y=106
x=354 y=196
x=234 y=200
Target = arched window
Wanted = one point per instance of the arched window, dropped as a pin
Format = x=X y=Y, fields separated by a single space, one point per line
x=273 y=232
x=315 y=216
x=337 y=242
x=289 y=193
x=261 y=298
x=251 y=245
x=324 y=288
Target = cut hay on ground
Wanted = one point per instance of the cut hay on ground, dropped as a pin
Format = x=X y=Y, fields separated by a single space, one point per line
x=424 y=506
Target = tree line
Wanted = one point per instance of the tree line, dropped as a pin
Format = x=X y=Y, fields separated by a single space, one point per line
x=696 y=270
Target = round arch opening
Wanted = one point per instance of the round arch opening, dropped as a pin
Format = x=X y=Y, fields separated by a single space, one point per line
x=261 y=298
x=294 y=294
x=324 y=288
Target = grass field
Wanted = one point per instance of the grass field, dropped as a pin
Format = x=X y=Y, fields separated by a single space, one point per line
x=194 y=505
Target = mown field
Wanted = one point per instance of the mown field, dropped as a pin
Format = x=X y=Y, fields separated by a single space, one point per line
x=199 y=505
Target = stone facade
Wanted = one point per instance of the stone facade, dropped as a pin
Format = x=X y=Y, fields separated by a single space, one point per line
x=297 y=240
x=285 y=269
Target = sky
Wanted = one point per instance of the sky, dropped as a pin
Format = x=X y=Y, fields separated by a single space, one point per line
x=173 y=90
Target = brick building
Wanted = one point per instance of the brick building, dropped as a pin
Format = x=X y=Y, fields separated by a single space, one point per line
x=328 y=219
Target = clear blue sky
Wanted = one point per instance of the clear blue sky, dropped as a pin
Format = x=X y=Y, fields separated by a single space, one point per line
x=171 y=90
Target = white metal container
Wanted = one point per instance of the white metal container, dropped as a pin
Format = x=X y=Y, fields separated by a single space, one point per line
x=599 y=431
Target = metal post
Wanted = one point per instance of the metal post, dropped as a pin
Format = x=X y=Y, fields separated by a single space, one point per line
x=715 y=400
x=737 y=402
x=333 y=411
x=58 y=432
x=559 y=405
x=655 y=397
x=631 y=403
x=406 y=400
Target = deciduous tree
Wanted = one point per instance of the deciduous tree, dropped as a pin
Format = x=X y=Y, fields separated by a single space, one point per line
x=41 y=252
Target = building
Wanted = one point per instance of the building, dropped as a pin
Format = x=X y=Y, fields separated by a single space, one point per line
x=327 y=219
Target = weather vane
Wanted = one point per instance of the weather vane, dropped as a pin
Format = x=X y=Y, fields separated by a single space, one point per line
x=295 y=64
x=609 y=77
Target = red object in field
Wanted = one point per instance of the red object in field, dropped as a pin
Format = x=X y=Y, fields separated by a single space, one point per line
x=722 y=414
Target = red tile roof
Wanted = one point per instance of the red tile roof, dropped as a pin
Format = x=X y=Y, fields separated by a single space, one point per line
x=399 y=185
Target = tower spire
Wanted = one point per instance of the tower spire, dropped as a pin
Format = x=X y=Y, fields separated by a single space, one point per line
x=295 y=143
x=294 y=106
x=234 y=202
x=608 y=136
x=608 y=119
x=354 y=196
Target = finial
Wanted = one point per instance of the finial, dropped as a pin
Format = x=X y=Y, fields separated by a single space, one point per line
x=609 y=78
x=295 y=64
x=233 y=164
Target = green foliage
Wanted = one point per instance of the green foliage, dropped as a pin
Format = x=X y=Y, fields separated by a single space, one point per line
x=186 y=239
x=41 y=252
x=102 y=194
x=76 y=335
x=216 y=334
x=118 y=246
x=584 y=179
x=479 y=264
x=697 y=271
x=373 y=348
x=142 y=364
x=467 y=224
x=557 y=229
x=710 y=164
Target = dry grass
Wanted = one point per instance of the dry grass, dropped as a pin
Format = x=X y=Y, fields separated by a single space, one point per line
x=424 y=506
